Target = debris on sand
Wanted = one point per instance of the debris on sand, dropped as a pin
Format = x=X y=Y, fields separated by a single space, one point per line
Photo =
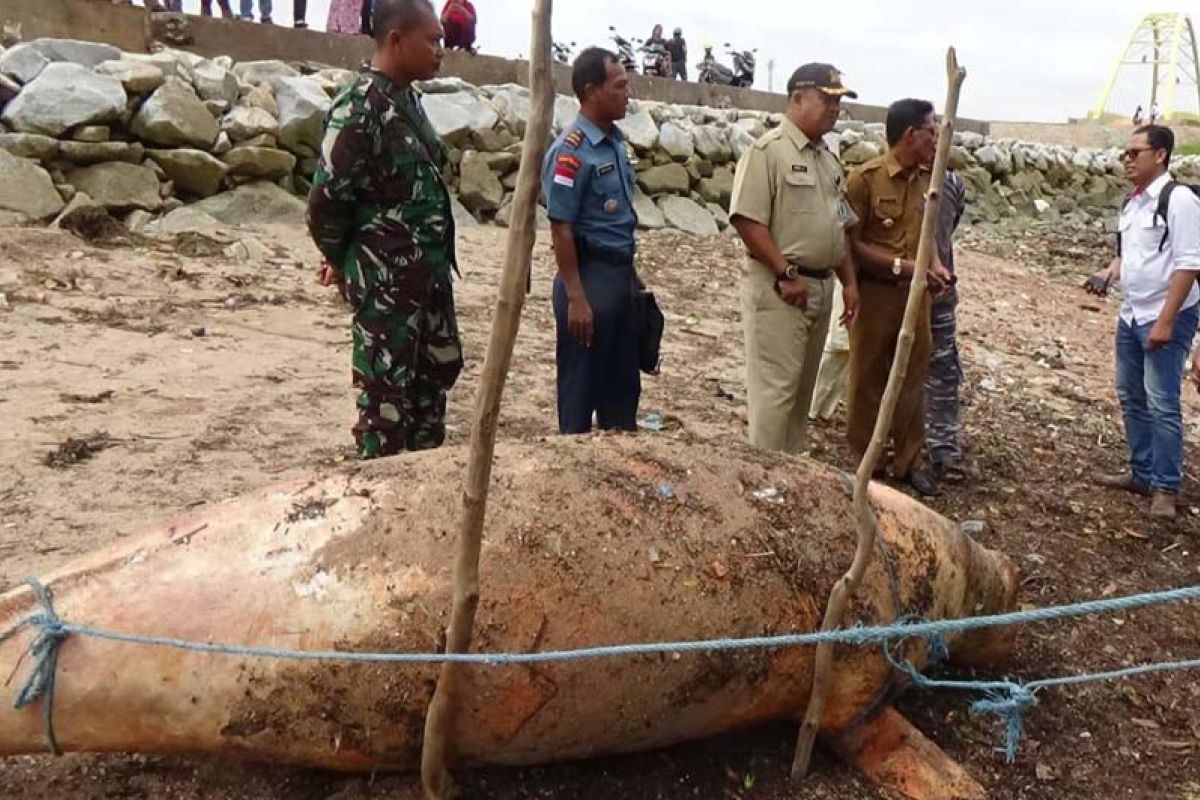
x=75 y=450
x=99 y=397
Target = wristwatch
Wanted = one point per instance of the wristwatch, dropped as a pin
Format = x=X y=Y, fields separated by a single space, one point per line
x=897 y=266
x=791 y=272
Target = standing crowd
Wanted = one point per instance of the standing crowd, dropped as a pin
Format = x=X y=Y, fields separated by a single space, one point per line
x=828 y=254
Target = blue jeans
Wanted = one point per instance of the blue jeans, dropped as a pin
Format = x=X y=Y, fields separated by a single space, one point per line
x=247 y=10
x=1148 y=385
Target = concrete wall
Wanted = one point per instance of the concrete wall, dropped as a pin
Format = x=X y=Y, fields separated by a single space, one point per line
x=125 y=27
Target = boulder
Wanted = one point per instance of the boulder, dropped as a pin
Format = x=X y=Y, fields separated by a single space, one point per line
x=994 y=159
x=850 y=137
x=752 y=125
x=95 y=152
x=214 y=82
x=338 y=77
x=92 y=133
x=80 y=206
x=9 y=89
x=719 y=188
x=73 y=51
x=456 y=116
x=194 y=171
x=256 y=72
x=302 y=108
x=29 y=145
x=22 y=63
x=262 y=140
x=649 y=216
x=446 y=85
x=26 y=188
x=640 y=130
x=566 y=109
x=223 y=145
x=246 y=122
x=504 y=216
x=493 y=140
x=137 y=77
x=719 y=214
x=676 y=141
x=500 y=163
x=462 y=217
x=260 y=201
x=512 y=104
x=261 y=97
x=478 y=187
x=666 y=179
x=960 y=157
x=860 y=153
x=712 y=143
x=259 y=162
x=118 y=186
x=175 y=117
x=687 y=216
x=166 y=61
x=970 y=139
x=63 y=96
x=188 y=219
x=740 y=141
x=216 y=107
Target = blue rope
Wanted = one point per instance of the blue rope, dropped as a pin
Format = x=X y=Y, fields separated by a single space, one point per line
x=1004 y=697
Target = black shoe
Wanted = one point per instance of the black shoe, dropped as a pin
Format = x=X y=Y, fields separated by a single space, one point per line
x=299 y=24
x=922 y=483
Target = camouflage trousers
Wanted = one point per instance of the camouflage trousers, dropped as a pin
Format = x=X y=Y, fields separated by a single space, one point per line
x=942 y=384
x=404 y=362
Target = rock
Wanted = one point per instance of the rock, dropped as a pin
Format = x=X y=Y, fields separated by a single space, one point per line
x=29 y=145
x=478 y=187
x=216 y=107
x=994 y=159
x=446 y=85
x=509 y=181
x=165 y=62
x=860 y=153
x=740 y=141
x=262 y=140
x=1040 y=207
x=260 y=162
x=676 y=141
x=260 y=201
x=214 y=82
x=752 y=125
x=96 y=152
x=66 y=191
x=302 y=107
x=86 y=54
x=500 y=163
x=648 y=215
x=719 y=214
x=92 y=133
x=223 y=145
x=493 y=140
x=256 y=72
x=338 y=77
x=640 y=130
x=174 y=117
x=187 y=219
x=504 y=216
x=960 y=158
x=685 y=215
x=137 y=220
x=137 y=77
x=26 y=188
x=669 y=178
x=566 y=109
x=243 y=122
x=456 y=116
x=75 y=209
x=63 y=96
x=118 y=186
x=850 y=137
x=462 y=217
x=970 y=139
x=193 y=171
x=854 y=125
x=9 y=89
x=719 y=188
x=261 y=97
x=712 y=143
x=512 y=104
x=22 y=63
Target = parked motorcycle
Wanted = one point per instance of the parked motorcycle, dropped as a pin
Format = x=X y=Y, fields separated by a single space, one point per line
x=562 y=52
x=656 y=60
x=625 y=51
x=741 y=75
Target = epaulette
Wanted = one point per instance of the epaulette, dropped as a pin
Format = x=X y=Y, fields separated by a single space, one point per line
x=768 y=137
x=573 y=139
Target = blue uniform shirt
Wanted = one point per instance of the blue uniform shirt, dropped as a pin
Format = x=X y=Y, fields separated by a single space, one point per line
x=587 y=178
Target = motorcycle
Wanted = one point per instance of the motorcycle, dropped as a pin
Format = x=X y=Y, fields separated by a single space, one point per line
x=624 y=51
x=741 y=75
x=561 y=52
x=656 y=60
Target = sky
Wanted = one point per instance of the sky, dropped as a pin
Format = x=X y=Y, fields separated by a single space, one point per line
x=1026 y=60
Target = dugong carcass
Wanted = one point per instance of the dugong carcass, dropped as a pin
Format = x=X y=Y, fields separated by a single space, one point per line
x=588 y=541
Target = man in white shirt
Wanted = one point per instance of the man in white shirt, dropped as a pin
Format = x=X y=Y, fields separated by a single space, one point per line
x=1159 y=258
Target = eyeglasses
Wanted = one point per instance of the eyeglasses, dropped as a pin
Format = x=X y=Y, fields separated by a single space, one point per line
x=1133 y=152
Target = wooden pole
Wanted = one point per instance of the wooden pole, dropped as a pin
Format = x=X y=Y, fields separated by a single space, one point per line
x=439 y=722
x=864 y=515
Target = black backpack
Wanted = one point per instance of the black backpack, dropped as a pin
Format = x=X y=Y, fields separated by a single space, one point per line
x=1160 y=211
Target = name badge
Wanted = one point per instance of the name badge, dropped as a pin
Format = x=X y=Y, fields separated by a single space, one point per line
x=604 y=169
x=799 y=167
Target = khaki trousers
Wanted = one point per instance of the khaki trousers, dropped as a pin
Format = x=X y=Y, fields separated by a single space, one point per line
x=872 y=349
x=783 y=353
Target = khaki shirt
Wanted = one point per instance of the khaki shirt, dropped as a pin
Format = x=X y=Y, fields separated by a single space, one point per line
x=889 y=202
x=794 y=187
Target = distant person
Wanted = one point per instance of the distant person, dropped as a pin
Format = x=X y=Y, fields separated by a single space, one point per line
x=349 y=16
x=264 y=11
x=206 y=8
x=458 y=20
x=677 y=47
x=1153 y=113
x=300 y=14
x=1137 y=116
x=1157 y=261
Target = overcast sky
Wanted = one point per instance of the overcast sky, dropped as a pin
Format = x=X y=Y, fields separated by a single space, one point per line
x=1043 y=60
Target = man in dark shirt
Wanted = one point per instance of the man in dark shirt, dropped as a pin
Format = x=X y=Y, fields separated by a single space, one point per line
x=677 y=47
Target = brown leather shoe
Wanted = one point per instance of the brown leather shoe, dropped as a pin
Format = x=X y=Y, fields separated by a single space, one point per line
x=1162 y=505
x=1124 y=481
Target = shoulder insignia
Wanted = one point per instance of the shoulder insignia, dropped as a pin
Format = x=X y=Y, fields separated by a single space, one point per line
x=767 y=138
x=573 y=139
x=566 y=167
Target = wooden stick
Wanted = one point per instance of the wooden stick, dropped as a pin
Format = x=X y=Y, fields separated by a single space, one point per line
x=864 y=515
x=439 y=722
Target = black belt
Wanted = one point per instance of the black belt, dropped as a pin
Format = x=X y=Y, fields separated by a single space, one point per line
x=807 y=272
x=587 y=251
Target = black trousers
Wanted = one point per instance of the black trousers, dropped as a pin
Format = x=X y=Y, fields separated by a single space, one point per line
x=603 y=379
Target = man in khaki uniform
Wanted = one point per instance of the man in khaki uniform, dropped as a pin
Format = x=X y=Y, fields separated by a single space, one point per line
x=888 y=197
x=790 y=209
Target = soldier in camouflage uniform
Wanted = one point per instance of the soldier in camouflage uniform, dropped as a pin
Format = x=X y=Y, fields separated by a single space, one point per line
x=945 y=368
x=380 y=214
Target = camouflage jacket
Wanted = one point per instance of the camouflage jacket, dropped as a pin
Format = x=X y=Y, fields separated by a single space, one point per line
x=379 y=210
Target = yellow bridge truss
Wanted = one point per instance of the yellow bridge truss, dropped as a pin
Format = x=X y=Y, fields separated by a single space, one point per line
x=1166 y=43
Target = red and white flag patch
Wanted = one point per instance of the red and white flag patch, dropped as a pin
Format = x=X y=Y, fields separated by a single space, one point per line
x=565 y=169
